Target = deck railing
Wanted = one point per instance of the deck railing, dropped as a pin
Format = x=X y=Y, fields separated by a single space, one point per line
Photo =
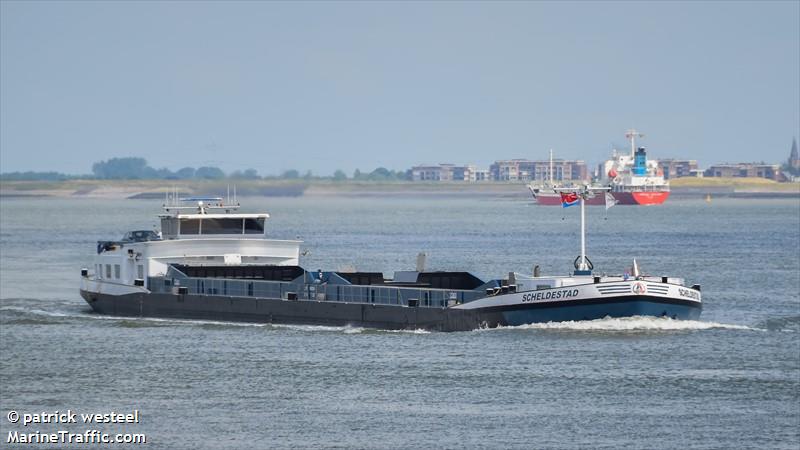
x=380 y=295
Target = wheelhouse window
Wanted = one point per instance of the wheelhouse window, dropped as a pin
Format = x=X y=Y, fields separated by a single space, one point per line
x=190 y=226
x=116 y=271
x=108 y=270
x=254 y=226
x=222 y=226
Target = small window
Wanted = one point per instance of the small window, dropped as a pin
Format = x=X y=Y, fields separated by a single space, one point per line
x=140 y=272
x=108 y=271
x=116 y=271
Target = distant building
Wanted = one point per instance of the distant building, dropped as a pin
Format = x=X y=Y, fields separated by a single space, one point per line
x=507 y=170
x=794 y=158
x=426 y=173
x=758 y=170
x=697 y=173
x=678 y=168
x=482 y=175
x=528 y=170
x=444 y=172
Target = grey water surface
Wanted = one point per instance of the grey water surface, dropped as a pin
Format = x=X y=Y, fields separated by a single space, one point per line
x=730 y=380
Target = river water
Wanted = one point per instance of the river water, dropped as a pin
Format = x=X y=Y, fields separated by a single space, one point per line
x=731 y=379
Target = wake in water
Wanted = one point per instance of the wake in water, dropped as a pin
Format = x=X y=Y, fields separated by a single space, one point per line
x=636 y=323
x=34 y=316
x=787 y=324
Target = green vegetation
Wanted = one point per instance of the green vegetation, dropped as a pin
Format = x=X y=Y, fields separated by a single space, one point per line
x=134 y=168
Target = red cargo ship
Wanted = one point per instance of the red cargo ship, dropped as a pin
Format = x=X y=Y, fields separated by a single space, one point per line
x=634 y=180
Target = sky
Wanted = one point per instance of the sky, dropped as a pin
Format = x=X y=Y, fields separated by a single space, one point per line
x=330 y=85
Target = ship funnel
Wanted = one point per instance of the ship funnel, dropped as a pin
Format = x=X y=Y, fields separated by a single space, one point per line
x=421 y=262
x=640 y=162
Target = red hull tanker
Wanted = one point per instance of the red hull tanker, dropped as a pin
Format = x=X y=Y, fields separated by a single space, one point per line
x=634 y=179
x=641 y=197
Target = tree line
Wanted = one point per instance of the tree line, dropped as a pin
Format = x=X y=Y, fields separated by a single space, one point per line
x=134 y=168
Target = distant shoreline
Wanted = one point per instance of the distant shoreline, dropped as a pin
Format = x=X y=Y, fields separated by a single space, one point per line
x=152 y=189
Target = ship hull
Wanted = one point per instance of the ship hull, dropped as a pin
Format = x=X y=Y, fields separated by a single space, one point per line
x=278 y=311
x=641 y=198
x=391 y=317
x=601 y=308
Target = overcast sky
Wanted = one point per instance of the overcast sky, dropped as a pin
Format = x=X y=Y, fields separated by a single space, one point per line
x=342 y=85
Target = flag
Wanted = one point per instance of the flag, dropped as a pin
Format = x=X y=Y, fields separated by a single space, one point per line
x=610 y=200
x=569 y=198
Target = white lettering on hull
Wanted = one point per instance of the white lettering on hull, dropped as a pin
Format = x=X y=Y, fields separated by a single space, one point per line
x=549 y=295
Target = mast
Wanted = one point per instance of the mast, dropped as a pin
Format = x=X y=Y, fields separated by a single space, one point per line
x=551 y=168
x=632 y=134
x=583 y=266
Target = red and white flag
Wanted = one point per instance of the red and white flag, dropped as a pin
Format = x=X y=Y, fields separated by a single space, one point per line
x=569 y=198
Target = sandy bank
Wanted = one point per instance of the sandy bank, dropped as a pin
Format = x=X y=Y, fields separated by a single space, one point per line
x=122 y=189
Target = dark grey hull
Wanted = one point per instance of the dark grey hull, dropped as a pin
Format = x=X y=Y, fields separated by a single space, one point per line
x=389 y=317
x=262 y=310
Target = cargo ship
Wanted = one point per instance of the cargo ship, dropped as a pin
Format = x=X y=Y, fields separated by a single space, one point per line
x=633 y=179
x=210 y=262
